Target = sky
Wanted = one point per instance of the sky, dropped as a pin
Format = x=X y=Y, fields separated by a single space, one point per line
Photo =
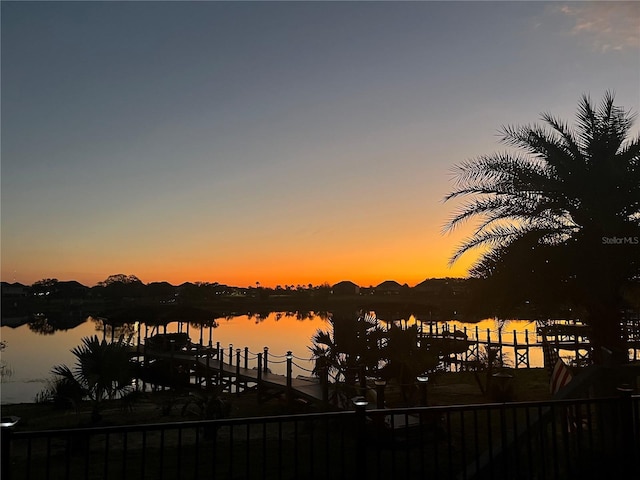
x=281 y=143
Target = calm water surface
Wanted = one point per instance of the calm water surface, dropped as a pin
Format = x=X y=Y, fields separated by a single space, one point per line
x=29 y=356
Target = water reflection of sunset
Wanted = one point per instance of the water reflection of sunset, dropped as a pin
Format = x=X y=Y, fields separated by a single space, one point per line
x=31 y=355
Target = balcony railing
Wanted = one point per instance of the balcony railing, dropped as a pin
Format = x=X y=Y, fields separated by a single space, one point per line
x=594 y=438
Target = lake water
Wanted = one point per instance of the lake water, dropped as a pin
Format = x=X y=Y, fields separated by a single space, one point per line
x=29 y=356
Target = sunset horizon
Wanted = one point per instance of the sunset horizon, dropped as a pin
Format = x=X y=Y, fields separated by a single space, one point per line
x=275 y=142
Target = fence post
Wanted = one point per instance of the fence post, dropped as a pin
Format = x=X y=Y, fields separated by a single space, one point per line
x=629 y=448
x=289 y=375
x=7 y=426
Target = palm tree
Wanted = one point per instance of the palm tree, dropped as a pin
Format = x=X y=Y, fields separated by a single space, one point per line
x=102 y=371
x=561 y=210
x=352 y=343
x=404 y=358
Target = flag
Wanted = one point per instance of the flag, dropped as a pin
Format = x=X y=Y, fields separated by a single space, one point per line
x=560 y=377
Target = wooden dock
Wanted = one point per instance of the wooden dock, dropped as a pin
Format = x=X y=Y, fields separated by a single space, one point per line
x=207 y=367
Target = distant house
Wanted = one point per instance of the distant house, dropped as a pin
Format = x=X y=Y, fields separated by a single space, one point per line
x=14 y=290
x=345 y=288
x=431 y=286
x=389 y=287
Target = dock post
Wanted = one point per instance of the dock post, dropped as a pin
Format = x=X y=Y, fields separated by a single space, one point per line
x=246 y=363
x=221 y=367
x=289 y=376
x=209 y=367
x=238 y=382
x=266 y=359
x=196 y=365
x=138 y=343
x=324 y=379
x=526 y=341
x=465 y=365
x=515 y=348
x=259 y=384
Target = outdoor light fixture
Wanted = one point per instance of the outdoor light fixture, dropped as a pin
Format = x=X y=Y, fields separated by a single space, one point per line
x=7 y=422
x=289 y=355
x=360 y=401
x=380 y=382
x=422 y=384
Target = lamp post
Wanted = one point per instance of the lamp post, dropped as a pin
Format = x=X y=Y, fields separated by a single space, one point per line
x=423 y=379
x=380 y=384
x=360 y=403
x=7 y=425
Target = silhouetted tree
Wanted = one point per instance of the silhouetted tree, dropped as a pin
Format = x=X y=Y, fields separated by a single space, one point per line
x=351 y=344
x=103 y=371
x=547 y=214
x=405 y=357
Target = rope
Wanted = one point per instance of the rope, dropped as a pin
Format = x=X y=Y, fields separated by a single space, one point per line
x=302 y=359
x=277 y=361
x=271 y=355
x=302 y=368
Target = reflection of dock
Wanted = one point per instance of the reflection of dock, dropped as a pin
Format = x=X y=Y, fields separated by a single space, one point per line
x=205 y=367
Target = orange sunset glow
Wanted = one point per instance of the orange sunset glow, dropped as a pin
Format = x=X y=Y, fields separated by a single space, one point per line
x=274 y=142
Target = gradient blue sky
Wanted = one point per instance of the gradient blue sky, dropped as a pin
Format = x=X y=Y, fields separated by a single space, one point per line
x=283 y=143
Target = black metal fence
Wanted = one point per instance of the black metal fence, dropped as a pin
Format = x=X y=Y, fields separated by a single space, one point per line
x=595 y=438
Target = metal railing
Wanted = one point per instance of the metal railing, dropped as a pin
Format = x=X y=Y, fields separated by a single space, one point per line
x=590 y=438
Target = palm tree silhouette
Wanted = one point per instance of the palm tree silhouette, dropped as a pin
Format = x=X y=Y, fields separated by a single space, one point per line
x=351 y=344
x=103 y=371
x=548 y=207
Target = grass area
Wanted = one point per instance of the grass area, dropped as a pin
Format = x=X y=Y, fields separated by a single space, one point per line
x=167 y=406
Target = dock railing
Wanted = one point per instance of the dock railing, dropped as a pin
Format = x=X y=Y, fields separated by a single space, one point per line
x=586 y=438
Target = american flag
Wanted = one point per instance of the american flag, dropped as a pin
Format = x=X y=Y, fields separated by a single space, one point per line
x=560 y=376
